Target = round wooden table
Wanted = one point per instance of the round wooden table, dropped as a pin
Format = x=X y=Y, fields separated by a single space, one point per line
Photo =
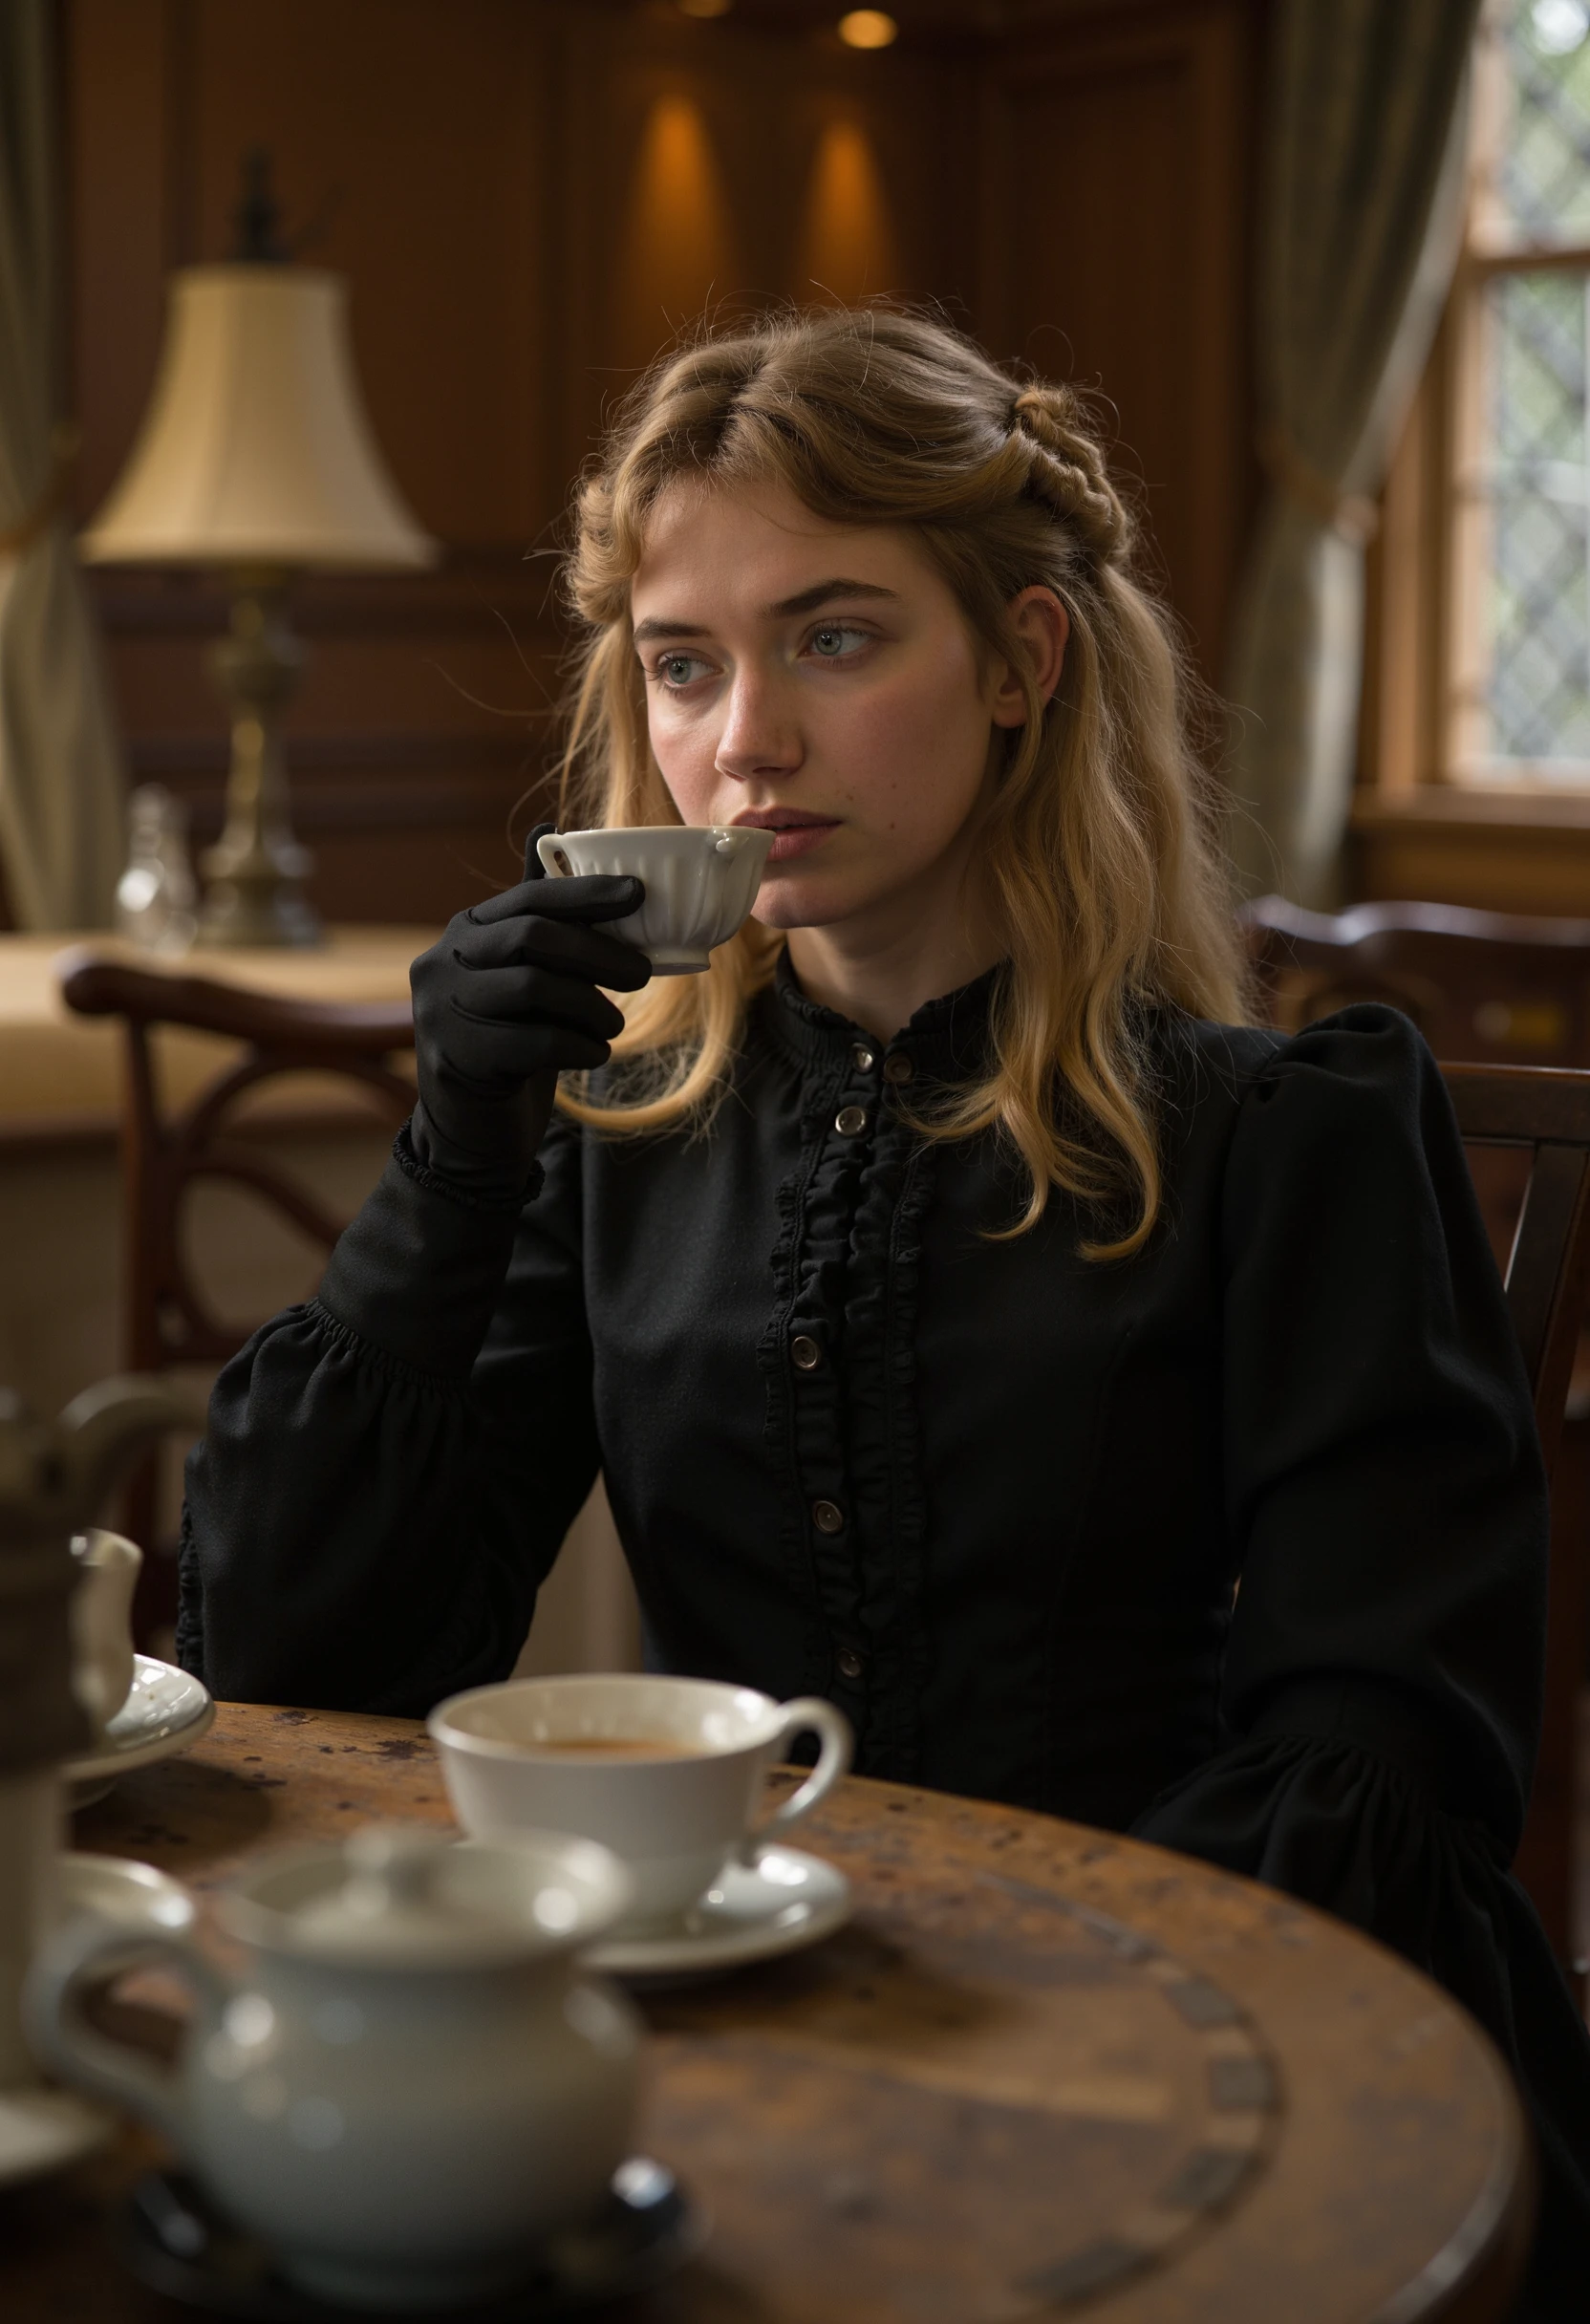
x=1044 y=2070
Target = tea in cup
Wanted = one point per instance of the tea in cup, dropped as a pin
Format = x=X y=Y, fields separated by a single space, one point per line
x=665 y=1772
x=700 y=883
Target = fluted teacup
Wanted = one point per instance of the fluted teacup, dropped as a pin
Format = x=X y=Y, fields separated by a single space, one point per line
x=700 y=881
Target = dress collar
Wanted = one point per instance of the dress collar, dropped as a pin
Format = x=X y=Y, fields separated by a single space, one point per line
x=947 y=1038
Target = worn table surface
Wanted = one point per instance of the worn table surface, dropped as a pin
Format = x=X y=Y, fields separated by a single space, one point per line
x=1045 y=2071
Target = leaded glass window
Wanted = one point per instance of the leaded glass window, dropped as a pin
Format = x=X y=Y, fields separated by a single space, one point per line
x=1521 y=603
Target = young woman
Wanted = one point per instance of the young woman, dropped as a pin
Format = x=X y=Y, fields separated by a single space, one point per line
x=957 y=1297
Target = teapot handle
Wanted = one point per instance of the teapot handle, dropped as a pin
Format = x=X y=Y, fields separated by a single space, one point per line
x=62 y=2038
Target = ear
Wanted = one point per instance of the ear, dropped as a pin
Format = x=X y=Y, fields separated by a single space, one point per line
x=1042 y=625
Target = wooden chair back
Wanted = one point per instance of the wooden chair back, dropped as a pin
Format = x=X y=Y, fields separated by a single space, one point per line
x=1490 y=986
x=1546 y=1114
x=168 y=1150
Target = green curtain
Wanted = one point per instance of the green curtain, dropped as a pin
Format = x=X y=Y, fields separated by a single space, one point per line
x=1361 y=223
x=61 y=786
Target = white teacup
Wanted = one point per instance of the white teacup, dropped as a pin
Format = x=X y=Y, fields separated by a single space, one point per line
x=103 y=1663
x=665 y=1772
x=701 y=884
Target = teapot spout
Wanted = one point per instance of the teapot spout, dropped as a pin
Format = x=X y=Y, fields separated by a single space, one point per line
x=103 y=1430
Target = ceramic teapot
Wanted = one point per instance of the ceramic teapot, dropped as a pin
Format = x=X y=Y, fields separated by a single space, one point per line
x=413 y=2085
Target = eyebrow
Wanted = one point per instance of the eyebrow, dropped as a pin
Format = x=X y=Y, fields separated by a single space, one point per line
x=805 y=601
x=824 y=592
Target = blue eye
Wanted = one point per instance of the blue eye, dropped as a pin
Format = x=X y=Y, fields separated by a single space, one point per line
x=830 y=642
x=678 y=669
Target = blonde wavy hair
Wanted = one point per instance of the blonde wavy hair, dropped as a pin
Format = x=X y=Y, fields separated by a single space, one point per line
x=1104 y=883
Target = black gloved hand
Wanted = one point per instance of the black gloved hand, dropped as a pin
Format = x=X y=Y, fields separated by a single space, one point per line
x=504 y=1002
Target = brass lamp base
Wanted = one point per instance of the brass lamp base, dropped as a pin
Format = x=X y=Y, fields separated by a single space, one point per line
x=256 y=869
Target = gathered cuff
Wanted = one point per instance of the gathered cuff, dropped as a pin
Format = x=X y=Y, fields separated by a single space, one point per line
x=1376 y=1719
x=420 y=1269
x=435 y=1182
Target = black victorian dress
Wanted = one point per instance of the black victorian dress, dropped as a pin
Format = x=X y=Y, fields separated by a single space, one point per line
x=990 y=1497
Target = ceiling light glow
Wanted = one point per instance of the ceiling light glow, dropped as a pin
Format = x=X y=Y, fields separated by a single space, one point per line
x=867 y=28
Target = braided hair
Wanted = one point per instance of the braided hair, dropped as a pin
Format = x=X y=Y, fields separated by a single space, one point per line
x=1065 y=469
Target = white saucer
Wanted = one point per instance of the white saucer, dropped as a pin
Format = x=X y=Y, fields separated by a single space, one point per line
x=784 y=1901
x=120 y=1889
x=165 y=1712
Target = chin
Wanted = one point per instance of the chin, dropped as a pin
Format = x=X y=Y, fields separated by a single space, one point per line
x=792 y=904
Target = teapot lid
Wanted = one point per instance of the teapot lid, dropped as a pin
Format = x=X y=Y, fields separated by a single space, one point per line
x=392 y=1897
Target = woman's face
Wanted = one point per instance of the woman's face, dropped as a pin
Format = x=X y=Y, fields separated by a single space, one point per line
x=818 y=680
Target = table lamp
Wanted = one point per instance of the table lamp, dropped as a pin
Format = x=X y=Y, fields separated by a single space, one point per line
x=255 y=457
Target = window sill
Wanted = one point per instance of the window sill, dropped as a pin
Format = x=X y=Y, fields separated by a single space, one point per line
x=1500 y=850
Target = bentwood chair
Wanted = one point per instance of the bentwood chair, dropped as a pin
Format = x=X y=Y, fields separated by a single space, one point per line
x=170 y=1149
x=1488 y=986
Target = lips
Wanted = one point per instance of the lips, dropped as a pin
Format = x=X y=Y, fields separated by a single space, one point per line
x=796 y=831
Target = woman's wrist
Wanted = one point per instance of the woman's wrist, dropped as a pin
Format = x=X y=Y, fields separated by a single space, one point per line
x=419 y=1270
x=502 y=1176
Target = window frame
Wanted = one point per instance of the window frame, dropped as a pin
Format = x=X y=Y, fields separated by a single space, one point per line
x=1431 y=815
x=1491 y=250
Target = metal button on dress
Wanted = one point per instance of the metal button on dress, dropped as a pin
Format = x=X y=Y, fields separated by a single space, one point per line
x=850 y=1121
x=862 y=1057
x=827 y=1516
x=806 y=1353
x=850 y=1663
x=897 y=1068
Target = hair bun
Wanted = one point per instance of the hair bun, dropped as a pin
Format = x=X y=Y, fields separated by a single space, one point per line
x=1066 y=469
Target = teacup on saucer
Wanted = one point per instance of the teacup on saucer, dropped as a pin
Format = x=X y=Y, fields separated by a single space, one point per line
x=665 y=1772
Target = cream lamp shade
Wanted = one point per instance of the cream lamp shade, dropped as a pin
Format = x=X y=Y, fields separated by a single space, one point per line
x=255 y=451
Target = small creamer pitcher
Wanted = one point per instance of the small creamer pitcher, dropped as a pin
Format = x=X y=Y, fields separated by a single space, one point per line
x=414 y=2084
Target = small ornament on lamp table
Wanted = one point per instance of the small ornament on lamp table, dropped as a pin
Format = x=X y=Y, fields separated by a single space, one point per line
x=256 y=458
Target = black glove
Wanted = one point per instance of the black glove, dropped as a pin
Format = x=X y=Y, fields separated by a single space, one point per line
x=504 y=1002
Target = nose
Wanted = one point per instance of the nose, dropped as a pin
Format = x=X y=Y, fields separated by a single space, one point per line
x=760 y=735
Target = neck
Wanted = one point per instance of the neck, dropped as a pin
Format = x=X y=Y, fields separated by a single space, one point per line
x=881 y=967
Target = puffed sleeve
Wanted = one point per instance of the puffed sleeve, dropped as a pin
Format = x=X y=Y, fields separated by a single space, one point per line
x=387 y=1471
x=1386 y=1496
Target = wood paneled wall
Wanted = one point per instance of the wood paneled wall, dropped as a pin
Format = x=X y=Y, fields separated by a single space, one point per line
x=527 y=197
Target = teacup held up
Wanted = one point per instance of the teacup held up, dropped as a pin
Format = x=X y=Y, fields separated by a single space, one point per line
x=700 y=883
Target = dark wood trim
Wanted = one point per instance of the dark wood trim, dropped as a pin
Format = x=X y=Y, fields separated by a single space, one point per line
x=1444 y=806
x=1520 y=1105
x=486 y=760
x=472 y=592
x=1213 y=50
